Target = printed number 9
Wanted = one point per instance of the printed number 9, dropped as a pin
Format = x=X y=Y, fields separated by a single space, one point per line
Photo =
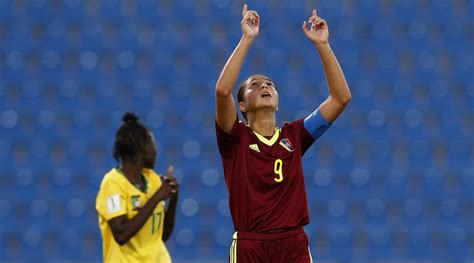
x=278 y=169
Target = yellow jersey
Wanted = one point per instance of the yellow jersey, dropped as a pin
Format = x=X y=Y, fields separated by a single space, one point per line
x=117 y=197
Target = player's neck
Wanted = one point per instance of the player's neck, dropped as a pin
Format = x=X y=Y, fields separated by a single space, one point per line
x=132 y=171
x=262 y=122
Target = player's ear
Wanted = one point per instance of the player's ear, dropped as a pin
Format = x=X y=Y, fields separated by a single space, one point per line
x=243 y=107
x=143 y=148
x=277 y=101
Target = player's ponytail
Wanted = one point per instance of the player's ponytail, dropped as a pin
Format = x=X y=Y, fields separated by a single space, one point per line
x=129 y=118
x=240 y=96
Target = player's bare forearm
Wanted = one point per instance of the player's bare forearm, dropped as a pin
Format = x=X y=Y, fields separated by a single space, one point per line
x=225 y=108
x=169 y=220
x=339 y=93
x=123 y=229
x=232 y=68
x=170 y=216
x=338 y=88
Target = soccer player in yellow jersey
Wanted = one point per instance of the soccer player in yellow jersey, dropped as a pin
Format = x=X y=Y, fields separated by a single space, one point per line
x=133 y=218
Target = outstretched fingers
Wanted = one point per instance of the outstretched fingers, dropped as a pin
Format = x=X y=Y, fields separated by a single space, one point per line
x=305 y=27
x=315 y=20
x=170 y=180
x=244 y=10
x=170 y=171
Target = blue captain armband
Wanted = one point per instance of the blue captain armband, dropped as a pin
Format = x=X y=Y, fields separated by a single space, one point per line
x=315 y=124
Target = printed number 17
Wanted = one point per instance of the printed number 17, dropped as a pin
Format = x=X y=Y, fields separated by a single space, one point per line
x=155 y=217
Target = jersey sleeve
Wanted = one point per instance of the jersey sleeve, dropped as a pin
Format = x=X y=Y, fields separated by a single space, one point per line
x=110 y=201
x=227 y=142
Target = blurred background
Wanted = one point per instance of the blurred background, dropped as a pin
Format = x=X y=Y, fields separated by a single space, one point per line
x=391 y=181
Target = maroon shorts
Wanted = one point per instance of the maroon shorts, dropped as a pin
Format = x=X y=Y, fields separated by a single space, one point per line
x=289 y=246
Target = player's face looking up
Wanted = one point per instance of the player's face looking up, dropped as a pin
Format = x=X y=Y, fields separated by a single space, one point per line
x=258 y=92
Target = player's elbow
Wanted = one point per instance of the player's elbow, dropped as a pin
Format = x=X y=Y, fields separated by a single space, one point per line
x=121 y=238
x=121 y=241
x=223 y=91
x=346 y=99
x=341 y=100
x=168 y=227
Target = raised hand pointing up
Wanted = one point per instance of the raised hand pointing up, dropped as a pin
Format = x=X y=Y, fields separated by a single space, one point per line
x=250 y=22
x=317 y=32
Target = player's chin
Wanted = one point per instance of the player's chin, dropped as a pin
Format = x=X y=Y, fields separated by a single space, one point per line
x=271 y=107
x=149 y=164
x=268 y=103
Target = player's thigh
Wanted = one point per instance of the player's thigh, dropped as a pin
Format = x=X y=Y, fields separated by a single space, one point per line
x=250 y=251
x=299 y=249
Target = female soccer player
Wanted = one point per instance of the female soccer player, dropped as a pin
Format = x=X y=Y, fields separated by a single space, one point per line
x=262 y=163
x=131 y=199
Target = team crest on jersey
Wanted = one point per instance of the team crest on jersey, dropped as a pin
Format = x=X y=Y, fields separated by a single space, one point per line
x=136 y=201
x=285 y=143
x=254 y=147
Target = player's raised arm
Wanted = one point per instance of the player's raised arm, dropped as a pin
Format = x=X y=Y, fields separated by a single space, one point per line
x=225 y=106
x=170 y=214
x=339 y=94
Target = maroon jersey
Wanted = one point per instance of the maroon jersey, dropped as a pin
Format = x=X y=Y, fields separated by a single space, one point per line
x=264 y=177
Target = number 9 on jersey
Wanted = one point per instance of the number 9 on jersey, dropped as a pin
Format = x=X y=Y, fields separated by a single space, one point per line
x=278 y=169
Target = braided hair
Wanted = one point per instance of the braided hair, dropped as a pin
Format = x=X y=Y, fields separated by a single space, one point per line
x=130 y=139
